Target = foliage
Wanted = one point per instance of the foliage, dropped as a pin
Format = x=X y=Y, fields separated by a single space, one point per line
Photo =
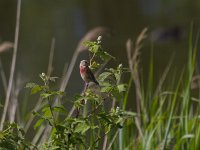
x=96 y=51
x=73 y=132
x=167 y=115
x=13 y=138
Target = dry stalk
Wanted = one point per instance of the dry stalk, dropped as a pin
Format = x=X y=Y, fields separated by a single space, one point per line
x=105 y=142
x=13 y=104
x=12 y=71
x=3 y=77
x=50 y=64
x=133 y=61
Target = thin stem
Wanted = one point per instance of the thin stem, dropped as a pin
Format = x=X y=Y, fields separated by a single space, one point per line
x=12 y=70
x=113 y=139
x=3 y=76
x=92 y=59
x=38 y=135
x=36 y=108
x=89 y=56
x=69 y=71
x=50 y=64
x=95 y=109
x=105 y=142
x=51 y=110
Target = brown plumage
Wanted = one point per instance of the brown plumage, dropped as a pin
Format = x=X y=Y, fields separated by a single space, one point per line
x=86 y=73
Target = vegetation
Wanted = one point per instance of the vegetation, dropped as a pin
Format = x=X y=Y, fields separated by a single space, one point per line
x=95 y=122
x=166 y=118
x=166 y=114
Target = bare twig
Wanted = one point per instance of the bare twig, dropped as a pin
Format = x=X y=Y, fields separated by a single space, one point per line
x=69 y=71
x=12 y=65
x=17 y=86
x=3 y=77
x=50 y=64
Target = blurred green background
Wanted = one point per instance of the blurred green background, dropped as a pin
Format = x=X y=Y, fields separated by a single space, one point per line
x=68 y=21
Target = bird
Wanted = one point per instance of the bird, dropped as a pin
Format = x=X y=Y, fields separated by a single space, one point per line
x=86 y=73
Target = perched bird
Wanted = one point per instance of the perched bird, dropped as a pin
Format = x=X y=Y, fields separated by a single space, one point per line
x=86 y=73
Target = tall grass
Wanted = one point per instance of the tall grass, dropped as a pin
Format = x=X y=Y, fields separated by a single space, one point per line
x=169 y=114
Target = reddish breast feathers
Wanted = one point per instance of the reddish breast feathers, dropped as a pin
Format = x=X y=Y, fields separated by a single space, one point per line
x=82 y=69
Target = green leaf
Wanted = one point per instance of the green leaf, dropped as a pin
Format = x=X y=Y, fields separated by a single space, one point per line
x=36 y=114
x=56 y=92
x=122 y=87
x=94 y=65
x=106 y=89
x=30 y=85
x=94 y=127
x=38 y=123
x=54 y=147
x=45 y=95
x=117 y=76
x=82 y=127
x=50 y=94
x=89 y=43
x=59 y=109
x=104 y=76
x=187 y=136
x=47 y=112
x=107 y=128
x=116 y=94
x=35 y=88
x=1 y=136
x=94 y=48
x=104 y=117
x=129 y=113
x=105 y=56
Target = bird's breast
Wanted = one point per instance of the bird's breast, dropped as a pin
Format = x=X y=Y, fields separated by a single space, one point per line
x=82 y=69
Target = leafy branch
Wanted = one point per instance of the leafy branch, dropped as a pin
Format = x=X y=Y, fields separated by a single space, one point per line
x=72 y=132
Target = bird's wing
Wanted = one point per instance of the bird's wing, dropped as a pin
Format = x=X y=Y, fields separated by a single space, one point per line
x=91 y=75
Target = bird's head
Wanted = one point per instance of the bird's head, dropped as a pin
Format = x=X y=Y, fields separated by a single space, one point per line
x=84 y=63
